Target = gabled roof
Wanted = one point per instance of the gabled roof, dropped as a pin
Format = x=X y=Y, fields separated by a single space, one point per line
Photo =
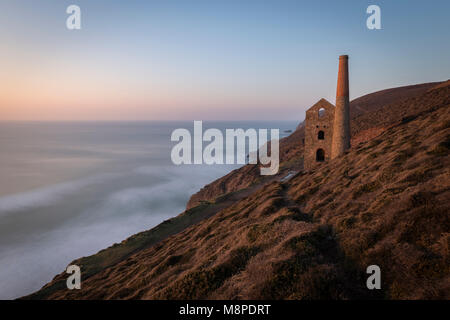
x=322 y=103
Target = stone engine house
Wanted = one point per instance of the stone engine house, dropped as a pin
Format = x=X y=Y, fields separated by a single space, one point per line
x=318 y=133
x=327 y=127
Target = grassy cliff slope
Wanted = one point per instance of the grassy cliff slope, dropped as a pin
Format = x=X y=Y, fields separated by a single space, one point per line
x=384 y=202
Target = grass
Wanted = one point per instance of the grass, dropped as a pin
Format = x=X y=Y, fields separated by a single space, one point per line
x=421 y=199
x=295 y=215
x=387 y=175
x=256 y=231
x=288 y=273
x=403 y=155
x=346 y=223
x=197 y=284
x=442 y=149
x=419 y=176
x=366 y=188
x=275 y=204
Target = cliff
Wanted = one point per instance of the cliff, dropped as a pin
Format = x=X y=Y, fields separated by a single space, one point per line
x=305 y=235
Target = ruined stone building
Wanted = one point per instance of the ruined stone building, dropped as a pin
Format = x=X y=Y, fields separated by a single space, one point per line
x=327 y=127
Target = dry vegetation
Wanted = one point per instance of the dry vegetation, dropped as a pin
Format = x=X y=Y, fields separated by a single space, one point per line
x=385 y=202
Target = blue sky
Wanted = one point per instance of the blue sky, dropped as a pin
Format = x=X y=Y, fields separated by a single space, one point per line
x=209 y=60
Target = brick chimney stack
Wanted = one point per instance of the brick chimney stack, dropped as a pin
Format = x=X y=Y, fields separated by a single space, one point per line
x=341 y=127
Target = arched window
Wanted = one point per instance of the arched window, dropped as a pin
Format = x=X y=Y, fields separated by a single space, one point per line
x=321 y=135
x=321 y=112
x=320 y=155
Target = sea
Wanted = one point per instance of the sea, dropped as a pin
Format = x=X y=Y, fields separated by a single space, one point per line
x=70 y=189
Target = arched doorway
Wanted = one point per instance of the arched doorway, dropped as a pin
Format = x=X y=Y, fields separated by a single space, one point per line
x=320 y=155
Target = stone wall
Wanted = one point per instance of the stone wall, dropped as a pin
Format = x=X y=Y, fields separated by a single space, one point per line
x=313 y=124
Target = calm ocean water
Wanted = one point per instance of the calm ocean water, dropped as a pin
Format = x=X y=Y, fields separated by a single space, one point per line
x=71 y=189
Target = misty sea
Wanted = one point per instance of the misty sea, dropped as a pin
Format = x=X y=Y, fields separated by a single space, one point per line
x=70 y=189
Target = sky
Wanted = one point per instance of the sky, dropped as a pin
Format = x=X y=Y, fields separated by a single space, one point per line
x=209 y=60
